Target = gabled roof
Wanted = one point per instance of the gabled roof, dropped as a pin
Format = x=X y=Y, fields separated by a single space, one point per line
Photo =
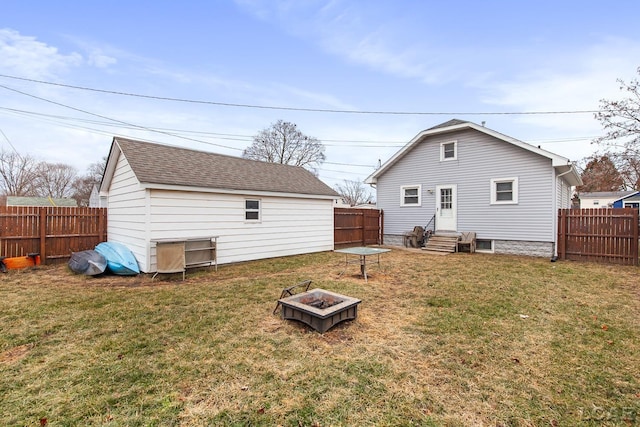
x=164 y=166
x=631 y=194
x=562 y=164
x=605 y=194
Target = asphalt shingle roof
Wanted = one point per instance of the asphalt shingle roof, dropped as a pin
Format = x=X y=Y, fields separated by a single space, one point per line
x=446 y=124
x=597 y=194
x=168 y=165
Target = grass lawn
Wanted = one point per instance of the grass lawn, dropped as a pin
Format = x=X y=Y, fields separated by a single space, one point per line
x=439 y=340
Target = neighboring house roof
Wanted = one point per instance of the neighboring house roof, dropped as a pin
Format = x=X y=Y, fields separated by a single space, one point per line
x=40 y=201
x=562 y=164
x=157 y=165
x=366 y=206
x=630 y=194
x=614 y=195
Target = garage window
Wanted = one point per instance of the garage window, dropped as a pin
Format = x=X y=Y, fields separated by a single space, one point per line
x=252 y=210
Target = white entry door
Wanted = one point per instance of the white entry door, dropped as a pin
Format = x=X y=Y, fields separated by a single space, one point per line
x=446 y=211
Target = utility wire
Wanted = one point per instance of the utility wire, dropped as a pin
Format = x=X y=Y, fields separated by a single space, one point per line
x=359 y=143
x=150 y=129
x=116 y=120
x=310 y=110
x=9 y=141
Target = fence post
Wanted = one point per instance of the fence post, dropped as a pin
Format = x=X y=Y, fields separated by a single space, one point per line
x=381 y=226
x=101 y=228
x=43 y=235
x=636 y=236
x=562 y=234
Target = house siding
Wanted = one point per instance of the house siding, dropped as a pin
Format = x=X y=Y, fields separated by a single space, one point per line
x=480 y=158
x=126 y=221
x=288 y=226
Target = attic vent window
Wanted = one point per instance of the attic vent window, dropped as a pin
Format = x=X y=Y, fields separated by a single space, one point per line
x=448 y=151
x=252 y=210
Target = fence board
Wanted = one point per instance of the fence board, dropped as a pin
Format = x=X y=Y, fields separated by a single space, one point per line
x=53 y=232
x=599 y=235
x=357 y=227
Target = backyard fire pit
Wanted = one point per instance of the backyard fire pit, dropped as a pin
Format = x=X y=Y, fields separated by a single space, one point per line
x=319 y=309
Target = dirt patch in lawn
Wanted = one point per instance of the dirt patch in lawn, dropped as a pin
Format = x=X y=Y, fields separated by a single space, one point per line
x=15 y=354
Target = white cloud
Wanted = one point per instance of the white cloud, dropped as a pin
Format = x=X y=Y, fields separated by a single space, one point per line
x=97 y=59
x=362 y=36
x=27 y=57
x=590 y=77
x=315 y=98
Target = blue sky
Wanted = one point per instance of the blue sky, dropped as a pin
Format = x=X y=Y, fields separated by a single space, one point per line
x=441 y=59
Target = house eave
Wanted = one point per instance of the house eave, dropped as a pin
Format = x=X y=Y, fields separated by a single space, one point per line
x=626 y=197
x=556 y=160
x=110 y=168
x=169 y=187
x=569 y=173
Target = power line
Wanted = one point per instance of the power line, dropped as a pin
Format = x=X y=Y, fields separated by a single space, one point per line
x=217 y=135
x=116 y=120
x=309 y=110
x=134 y=126
x=9 y=141
x=359 y=143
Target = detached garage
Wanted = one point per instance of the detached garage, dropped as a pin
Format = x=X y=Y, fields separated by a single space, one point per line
x=158 y=193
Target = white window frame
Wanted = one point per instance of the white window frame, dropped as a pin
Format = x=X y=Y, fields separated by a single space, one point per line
x=442 y=151
x=514 y=191
x=487 y=251
x=403 y=191
x=248 y=210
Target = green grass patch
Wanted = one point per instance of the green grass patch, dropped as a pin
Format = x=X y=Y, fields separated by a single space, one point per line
x=440 y=340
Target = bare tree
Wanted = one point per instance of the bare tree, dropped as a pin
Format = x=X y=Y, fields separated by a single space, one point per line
x=621 y=121
x=354 y=192
x=18 y=174
x=600 y=174
x=55 y=180
x=83 y=185
x=282 y=142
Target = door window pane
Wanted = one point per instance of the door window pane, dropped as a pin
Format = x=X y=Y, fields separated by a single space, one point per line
x=446 y=198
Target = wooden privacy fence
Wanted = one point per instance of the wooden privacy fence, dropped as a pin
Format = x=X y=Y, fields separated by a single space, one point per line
x=357 y=227
x=53 y=232
x=600 y=235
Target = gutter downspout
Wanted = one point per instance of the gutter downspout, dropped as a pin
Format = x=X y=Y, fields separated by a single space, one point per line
x=555 y=220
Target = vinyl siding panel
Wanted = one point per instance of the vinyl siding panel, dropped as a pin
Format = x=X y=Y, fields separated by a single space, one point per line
x=126 y=204
x=480 y=158
x=288 y=226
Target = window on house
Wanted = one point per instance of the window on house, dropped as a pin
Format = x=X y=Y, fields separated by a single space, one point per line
x=504 y=191
x=483 y=245
x=410 y=195
x=252 y=210
x=448 y=151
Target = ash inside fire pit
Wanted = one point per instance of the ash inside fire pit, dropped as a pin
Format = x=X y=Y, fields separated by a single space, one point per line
x=319 y=309
x=323 y=302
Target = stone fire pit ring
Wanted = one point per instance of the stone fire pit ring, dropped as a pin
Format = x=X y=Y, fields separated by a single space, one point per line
x=319 y=308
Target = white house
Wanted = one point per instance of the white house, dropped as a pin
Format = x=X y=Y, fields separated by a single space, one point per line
x=601 y=199
x=460 y=176
x=259 y=210
x=95 y=200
